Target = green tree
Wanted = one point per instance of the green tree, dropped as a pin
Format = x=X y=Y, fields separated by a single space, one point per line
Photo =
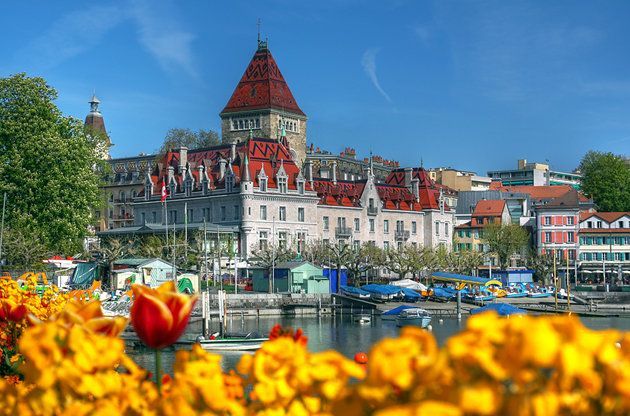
x=115 y=248
x=23 y=249
x=504 y=240
x=542 y=265
x=606 y=179
x=48 y=166
x=365 y=258
x=191 y=139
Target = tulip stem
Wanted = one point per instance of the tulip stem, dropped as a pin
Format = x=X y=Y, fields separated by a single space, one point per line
x=158 y=370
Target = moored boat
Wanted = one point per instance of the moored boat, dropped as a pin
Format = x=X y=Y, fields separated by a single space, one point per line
x=414 y=316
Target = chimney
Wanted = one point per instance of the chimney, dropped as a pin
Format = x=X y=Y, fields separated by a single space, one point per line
x=334 y=172
x=408 y=176
x=233 y=152
x=183 y=159
x=222 y=163
x=415 y=189
x=309 y=171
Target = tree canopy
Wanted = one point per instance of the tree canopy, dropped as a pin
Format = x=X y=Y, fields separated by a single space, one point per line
x=606 y=179
x=48 y=168
x=177 y=137
x=504 y=240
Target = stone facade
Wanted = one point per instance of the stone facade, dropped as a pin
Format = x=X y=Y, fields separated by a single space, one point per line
x=270 y=123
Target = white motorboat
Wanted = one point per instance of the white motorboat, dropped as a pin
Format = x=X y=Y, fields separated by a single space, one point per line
x=414 y=316
x=232 y=344
x=363 y=319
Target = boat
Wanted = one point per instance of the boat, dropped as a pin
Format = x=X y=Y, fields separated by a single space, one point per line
x=503 y=309
x=479 y=295
x=392 y=314
x=414 y=316
x=443 y=294
x=538 y=292
x=355 y=292
x=231 y=342
x=515 y=292
x=363 y=319
x=410 y=295
x=382 y=293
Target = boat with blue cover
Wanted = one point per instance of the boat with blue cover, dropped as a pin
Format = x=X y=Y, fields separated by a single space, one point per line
x=355 y=292
x=392 y=314
x=414 y=316
x=383 y=293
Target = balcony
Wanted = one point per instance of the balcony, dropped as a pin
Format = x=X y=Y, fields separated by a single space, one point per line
x=126 y=217
x=343 y=232
x=372 y=210
x=401 y=235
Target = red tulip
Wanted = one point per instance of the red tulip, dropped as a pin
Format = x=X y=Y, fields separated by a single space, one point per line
x=12 y=311
x=159 y=316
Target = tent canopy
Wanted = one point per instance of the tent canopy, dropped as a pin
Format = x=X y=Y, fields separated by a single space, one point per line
x=460 y=278
x=408 y=283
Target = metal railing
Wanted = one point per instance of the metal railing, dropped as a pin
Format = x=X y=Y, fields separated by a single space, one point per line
x=401 y=235
x=343 y=232
x=372 y=210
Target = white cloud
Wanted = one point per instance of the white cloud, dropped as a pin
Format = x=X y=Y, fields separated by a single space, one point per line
x=70 y=36
x=422 y=32
x=163 y=37
x=369 y=66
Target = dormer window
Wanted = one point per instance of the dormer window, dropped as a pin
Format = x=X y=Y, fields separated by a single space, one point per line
x=263 y=185
x=229 y=183
x=148 y=190
x=188 y=187
x=282 y=185
x=300 y=186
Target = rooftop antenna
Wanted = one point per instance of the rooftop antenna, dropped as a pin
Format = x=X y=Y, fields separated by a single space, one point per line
x=421 y=162
x=258 y=23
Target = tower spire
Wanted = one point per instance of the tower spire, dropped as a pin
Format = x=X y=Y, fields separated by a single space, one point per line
x=94 y=102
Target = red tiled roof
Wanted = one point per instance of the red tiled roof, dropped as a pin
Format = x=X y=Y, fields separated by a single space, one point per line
x=96 y=122
x=393 y=195
x=429 y=191
x=262 y=86
x=489 y=208
x=606 y=216
x=344 y=193
x=262 y=153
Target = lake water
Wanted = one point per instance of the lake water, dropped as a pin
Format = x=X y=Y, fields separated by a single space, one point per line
x=342 y=334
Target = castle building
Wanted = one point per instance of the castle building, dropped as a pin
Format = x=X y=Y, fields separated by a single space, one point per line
x=260 y=187
x=262 y=105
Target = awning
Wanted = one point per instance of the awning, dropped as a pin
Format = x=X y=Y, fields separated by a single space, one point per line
x=460 y=278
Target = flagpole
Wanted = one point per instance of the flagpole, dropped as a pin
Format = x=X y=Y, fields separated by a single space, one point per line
x=4 y=204
x=186 y=231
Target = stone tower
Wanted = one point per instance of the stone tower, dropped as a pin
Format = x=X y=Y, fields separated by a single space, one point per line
x=95 y=124
x=262 y=105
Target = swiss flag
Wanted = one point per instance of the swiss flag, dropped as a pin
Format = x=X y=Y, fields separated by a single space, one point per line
x=164 y=192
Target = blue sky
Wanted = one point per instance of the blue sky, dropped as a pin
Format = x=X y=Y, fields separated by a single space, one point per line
x=469 y=84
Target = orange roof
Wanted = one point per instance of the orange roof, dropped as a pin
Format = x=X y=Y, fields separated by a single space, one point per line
x=606 y=216
x=540 y=192
x=491 y=207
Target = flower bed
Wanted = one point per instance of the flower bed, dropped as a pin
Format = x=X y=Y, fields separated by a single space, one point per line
x=72 y=362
